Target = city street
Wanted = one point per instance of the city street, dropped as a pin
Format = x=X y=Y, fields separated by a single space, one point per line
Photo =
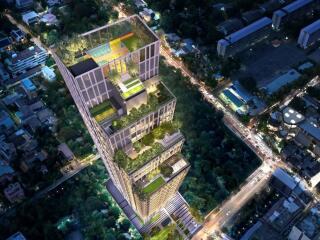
x=255 y=182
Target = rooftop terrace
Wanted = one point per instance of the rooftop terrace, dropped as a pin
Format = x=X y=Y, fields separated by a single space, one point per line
x=156 y=99
x=107 y=43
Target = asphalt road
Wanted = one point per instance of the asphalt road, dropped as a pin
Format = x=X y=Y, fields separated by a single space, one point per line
x=255 y=182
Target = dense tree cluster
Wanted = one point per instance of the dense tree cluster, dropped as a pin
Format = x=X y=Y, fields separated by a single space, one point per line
x=83 y=199
x=219 y=161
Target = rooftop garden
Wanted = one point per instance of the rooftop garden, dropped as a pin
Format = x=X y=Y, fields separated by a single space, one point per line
x=117 y=39
x=147 y=148
x=155 y=100
x=153 y=186
x=130 y=87
x=129 y=165
x=102 y=111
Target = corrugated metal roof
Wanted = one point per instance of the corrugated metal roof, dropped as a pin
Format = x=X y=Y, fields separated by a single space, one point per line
x=253 y=27
x=296 y=5
x=315 y=26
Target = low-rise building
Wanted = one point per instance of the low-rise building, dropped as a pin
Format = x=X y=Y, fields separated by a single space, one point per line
x=309 y=136
x=230 y=26
x=17 y=236
x=6 y=172
x=4 y=75
x=309 y=35
x=282 y=80
x=140 y=3
x=7 y=150
x=294 y=10
x=17 y=35
x=252 y=15
x=244 y=38
x=5 y=120
x=29 y=88
x=283 y=182
x=270 y=6
x=66 y=151
x=48 y=73
x=14 y=192
x=52 y=3
x=27 y=59
x=24 y=4
x=49 y=19
x=33 y=159
x=30 y=17
x=5 y=44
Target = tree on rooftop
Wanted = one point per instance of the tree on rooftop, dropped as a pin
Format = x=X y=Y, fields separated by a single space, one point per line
x=166 y=170
x=148 y=139
x=114 y=76
x=132 y=68
x=121 y=158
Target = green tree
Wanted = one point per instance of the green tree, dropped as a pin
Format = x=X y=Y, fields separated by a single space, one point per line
x=121 y=158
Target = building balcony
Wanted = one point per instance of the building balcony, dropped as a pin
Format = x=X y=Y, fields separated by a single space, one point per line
x=150 y=149
x=163 y=174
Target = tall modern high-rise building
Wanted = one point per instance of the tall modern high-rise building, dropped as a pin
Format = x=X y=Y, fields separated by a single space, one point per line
x=112 y=73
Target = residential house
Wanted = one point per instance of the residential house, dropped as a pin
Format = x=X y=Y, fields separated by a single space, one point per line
x=29 y=88
x=30 y=17
x=48 y=73
x=6 y=123
x=24 y=4
x=5 y=44
x=17 y=236
x=34 y=159
x=4 y=75
x=6 y=172
x=7 y=150
x=49 y=19
x=66 y=151
x=14 y=192
x=23 y=141
x=17 y=35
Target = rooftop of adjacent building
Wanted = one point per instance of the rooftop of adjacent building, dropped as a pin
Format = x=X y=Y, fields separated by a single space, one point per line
x=29 y=52
x=107 y=43
x=315 y=26
x=253 y=27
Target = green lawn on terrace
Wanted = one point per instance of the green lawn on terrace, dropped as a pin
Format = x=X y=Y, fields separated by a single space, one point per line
x=154 y=186
x=102 y=111
x=132 y=43
x=132 y=91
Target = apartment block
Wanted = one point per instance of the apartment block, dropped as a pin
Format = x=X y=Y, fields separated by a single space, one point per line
x=244 y=38
x=113 y=77
x=27 y=59
x=294 y=10
x=309 y=35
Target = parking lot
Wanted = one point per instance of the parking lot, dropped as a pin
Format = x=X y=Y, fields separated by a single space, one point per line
x=264 y=62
